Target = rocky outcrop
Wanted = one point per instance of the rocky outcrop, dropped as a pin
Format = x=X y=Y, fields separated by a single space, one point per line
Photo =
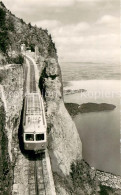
x=109 y=181
x=87 y=181
x=63 y=140
x=11 y=92
x=6 y=172
x=12 y=83
x=74 y=109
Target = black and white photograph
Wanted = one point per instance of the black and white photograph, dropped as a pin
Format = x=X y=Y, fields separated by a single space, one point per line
x=60 y=97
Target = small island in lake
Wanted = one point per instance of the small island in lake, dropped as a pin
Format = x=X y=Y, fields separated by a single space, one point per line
x=73 y=91
x=74 y=109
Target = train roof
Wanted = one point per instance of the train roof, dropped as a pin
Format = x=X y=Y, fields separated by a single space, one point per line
x=33 y=104
x=34 y=128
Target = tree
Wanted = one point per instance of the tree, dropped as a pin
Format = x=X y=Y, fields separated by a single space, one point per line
x=32 y=47
x=30 y=26
x=4 y=41
x=2 y=18
x=4 y=38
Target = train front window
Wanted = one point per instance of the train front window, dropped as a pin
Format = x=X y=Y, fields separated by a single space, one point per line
x=39 y=137
x=29 y=137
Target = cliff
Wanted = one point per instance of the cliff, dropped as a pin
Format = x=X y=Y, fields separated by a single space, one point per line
x=64 y=144
x=5 y=164
x=11 y=93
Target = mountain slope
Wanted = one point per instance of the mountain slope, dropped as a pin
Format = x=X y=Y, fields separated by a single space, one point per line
x=14 y=32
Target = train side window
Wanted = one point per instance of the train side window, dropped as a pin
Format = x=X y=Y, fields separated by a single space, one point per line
x=29 y=137
x=39 y=137
x=28 y=119
x=39 y=119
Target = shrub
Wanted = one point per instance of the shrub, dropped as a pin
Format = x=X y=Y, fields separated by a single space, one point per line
x=32 y=47
x=105 y=190
x=16 y=60
x=4 y=40
x=3 y=34
x=10 y=24
x=22 y=21
x=19 y=59
x=30 y=26
x=2 y=75
x=51 y=48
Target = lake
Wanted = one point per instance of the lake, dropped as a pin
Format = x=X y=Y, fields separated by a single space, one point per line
x=99 y=131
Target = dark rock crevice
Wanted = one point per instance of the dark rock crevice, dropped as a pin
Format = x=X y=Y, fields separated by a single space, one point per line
x=50 y=73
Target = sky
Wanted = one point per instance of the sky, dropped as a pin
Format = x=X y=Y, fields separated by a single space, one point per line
x=83 y=30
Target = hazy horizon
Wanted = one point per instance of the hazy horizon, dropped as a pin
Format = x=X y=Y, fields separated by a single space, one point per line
x=81 y=29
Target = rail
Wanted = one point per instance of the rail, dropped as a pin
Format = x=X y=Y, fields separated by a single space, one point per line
x=35 y=170
x=36 y=180
x=38 y=167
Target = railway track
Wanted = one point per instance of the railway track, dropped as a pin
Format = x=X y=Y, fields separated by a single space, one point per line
x=37 y=163
x=36 y=180
x=32 y=78
x=25 y=80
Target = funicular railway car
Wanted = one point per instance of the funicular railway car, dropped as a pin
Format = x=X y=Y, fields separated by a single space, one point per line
x=34 y=123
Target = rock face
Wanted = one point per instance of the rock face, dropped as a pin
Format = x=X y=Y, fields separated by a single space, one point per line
x=87 y=181
x=74 y=109
x=6 y=172
x=12 y=83
x=63 y=140
x=11 y=92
